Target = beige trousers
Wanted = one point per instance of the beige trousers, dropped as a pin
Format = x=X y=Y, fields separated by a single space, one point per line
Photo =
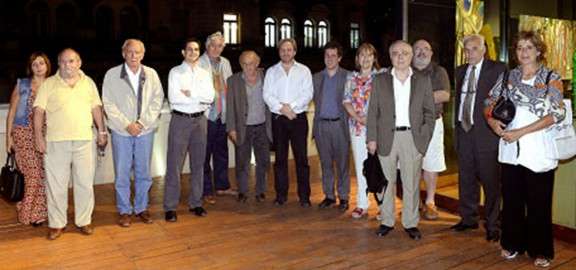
x=405 y=155
x=61 y=159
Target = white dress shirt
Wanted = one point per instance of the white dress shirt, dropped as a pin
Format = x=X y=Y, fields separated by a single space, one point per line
x=402 y=98
x=465 y=89
x=293 y=88
x=134 y=78
x=197 y=81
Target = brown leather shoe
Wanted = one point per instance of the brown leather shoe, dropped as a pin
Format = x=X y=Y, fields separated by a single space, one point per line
x=124 y=220
x=210 y=199
x=86 y=230
x=145 y=217
x=54 y=233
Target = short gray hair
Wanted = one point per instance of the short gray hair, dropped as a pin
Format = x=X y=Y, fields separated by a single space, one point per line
x=133 y=40
x=473 y=37
x=213 y=36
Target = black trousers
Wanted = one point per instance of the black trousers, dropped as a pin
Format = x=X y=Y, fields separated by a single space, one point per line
x=477 y=167
x=527 y=211
x=294 y=133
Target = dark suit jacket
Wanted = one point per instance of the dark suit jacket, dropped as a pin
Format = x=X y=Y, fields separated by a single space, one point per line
x=237 y=107
x=381 y=121
x=318 y=82
x=486 y=139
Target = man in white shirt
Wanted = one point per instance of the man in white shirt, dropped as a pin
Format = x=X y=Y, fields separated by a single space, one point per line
x=287 y=91
x=132 y=95
x=190 y=93
x=399 y=126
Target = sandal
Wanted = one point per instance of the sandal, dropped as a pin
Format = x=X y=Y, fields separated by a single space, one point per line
x=359 y=213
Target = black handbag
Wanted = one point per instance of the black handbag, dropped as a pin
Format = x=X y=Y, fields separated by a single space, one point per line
x=376 y=182
x=504 y=110
x=11 y=180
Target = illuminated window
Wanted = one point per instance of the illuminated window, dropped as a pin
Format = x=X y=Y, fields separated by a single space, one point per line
x=322 y=34
x=354 y=35
x=270 y=30
x=308 y=34
x=285 y=28
x=231 y=29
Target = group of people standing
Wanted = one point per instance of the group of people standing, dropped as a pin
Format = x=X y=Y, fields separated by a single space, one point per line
x=393 y=113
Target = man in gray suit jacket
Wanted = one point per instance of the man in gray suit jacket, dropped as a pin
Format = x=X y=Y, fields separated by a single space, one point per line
x=330 y=129
x=400 y=122
x=249 y=124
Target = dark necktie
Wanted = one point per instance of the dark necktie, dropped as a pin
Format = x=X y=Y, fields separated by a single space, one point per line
x=467 y=106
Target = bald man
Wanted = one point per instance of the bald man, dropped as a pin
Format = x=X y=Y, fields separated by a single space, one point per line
x=249 y=124
x=70 y=103
x=132 y=95
x=399 y=127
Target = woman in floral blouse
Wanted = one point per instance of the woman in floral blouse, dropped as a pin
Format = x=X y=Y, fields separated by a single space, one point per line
x=356 y=97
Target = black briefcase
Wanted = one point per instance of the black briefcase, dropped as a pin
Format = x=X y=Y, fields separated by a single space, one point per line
x=11 y=180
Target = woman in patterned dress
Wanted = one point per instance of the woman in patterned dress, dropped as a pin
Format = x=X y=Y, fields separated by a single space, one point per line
x=356 y=97
x=20 y=139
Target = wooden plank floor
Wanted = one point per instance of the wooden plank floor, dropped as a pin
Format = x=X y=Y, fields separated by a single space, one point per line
x=252 y=236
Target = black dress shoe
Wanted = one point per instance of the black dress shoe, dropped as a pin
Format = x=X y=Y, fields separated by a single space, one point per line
x=260 y=197
x=460 y=227
x=343 y=206
x=493 y=236
x=383 y=230
x=170 y=216
x=305 y=204
x=242 y=198
x=199 y=211
x=327 y=202
x=414 y=233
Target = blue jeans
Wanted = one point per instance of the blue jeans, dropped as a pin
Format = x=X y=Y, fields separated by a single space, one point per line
x=132 y=152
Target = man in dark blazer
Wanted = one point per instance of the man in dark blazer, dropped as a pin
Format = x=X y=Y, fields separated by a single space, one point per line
x=476 y=144
x=249 y=124
x=401 y=119
x=330 y=129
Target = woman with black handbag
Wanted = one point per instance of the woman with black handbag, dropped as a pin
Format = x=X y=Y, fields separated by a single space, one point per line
x=20 y=139
x=527 y=174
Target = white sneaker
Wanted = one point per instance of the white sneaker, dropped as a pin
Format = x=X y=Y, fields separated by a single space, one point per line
x=542 y=262
x=508 y=255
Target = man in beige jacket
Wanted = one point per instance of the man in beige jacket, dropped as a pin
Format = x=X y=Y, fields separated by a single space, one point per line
x=132 y=96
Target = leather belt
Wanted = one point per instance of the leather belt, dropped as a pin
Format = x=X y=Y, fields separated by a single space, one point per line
x=402 y=128
x=191 y=115
x=330 y=119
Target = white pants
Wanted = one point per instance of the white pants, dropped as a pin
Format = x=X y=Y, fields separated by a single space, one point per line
x=360 y=153
x=60 y=158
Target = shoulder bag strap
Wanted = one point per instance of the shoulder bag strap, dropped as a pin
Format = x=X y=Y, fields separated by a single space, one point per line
x=504 y=85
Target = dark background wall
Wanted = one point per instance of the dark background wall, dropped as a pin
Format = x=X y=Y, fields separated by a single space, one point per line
x=97 y=28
